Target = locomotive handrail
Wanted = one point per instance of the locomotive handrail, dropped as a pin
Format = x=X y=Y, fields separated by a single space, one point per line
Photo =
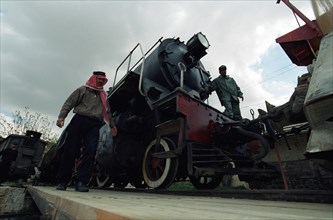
x=129 y=62
x=159 y=40
x=141 y=72
x=129 y=56
x=143 y=61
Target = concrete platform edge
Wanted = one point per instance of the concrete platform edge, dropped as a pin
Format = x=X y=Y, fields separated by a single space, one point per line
x=54 y=208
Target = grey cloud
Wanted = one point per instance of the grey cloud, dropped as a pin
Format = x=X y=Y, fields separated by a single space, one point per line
x=51 y=47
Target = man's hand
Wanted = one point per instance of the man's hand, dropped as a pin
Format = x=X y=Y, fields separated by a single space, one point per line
x=204 y=93
x=60 y=122
x=114 y=131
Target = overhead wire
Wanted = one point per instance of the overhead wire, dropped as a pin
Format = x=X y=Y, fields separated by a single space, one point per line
x=285 y=70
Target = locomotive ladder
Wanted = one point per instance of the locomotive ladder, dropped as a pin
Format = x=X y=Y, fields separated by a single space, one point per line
x=205 y=160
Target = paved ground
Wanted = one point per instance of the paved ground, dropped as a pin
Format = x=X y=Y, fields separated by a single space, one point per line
x=99 y=204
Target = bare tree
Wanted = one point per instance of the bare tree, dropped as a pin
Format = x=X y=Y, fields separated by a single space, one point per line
x=22 y=121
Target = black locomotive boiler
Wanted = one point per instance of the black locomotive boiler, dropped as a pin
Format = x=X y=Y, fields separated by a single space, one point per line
x=166 y=131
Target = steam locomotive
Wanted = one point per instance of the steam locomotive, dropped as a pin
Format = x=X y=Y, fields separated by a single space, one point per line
x=28 y=148
x=166 y=131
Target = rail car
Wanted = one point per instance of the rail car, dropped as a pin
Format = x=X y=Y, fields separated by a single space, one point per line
x=166 y=131
x=304 y=123
x=30 y=149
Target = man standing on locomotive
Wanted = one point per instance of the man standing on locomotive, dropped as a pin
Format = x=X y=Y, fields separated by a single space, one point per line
x=228 y=92
x=91 y=109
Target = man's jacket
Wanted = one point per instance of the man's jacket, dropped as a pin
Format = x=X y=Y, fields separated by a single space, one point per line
x=226 y=88
x=86 y=102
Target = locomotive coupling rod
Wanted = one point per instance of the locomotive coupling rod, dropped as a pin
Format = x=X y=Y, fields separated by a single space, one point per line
x=168 y=154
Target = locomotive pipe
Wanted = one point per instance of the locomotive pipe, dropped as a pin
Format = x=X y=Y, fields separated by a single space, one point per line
x=240 y=130
x=256 y=136
x=265 y=118
x=182 y=68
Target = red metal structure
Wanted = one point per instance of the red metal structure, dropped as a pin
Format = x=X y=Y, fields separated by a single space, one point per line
x=302 y=43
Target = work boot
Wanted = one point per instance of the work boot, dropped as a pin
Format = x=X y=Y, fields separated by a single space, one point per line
x=62 y=186
x=81 y=187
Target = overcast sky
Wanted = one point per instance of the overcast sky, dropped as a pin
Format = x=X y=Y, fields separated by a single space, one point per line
x=49 y=48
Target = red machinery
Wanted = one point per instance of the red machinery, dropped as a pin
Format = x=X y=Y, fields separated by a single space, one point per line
x=302 y=43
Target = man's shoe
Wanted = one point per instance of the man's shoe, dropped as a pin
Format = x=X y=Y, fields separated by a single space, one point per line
x=81 y=187
x=62 y=186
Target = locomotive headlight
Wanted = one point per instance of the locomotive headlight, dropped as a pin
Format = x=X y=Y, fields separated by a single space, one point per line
x=197 y=46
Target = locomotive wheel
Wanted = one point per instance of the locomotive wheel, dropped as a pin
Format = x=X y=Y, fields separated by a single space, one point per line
x=103 y=181
x=206 y=182
x=159 y=173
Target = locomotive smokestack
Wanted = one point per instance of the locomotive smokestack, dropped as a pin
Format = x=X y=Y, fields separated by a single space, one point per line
x=197 y=46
